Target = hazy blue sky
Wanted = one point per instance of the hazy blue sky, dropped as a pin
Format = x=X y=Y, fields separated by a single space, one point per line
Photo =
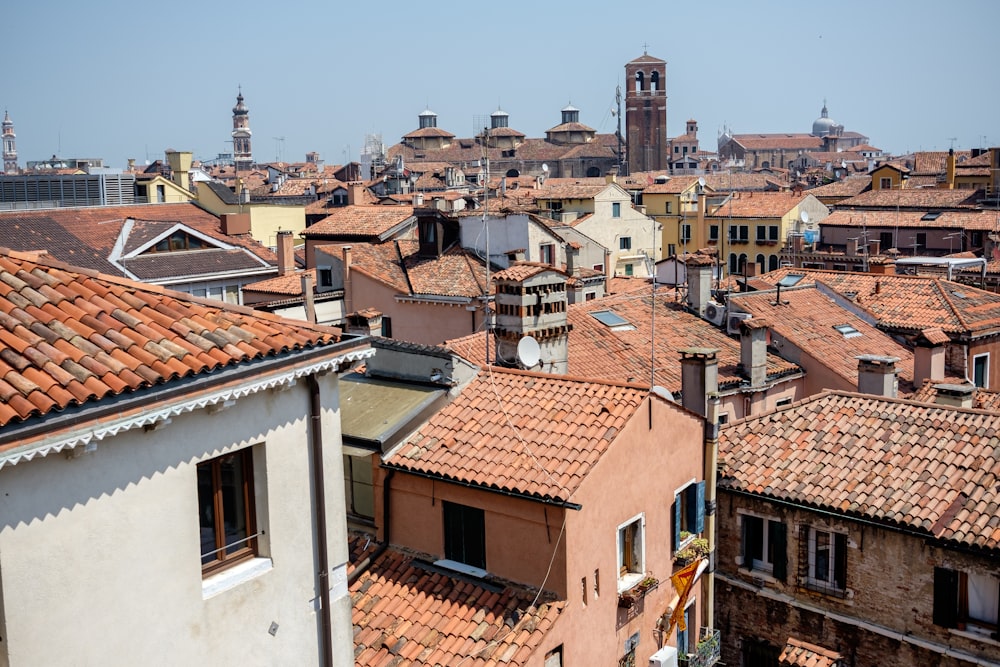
x=122 y=79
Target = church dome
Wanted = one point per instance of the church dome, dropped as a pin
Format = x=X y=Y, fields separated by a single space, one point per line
x=824 y=125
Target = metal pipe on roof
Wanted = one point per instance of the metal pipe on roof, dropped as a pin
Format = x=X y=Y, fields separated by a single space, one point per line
x=319 y=491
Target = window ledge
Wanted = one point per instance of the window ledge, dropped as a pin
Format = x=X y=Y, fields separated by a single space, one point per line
x=234 y=576
x=977 y=634
x=629 y=580
x=470 y=570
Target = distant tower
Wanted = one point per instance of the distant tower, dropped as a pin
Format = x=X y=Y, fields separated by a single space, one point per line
x=646 y=113
x=242 y=155
x=9 y=145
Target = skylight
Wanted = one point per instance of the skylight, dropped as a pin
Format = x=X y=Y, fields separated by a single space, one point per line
x=933 y=215
x=960 y=295
x=847 y=330
x=791 y=280
x=612 y=320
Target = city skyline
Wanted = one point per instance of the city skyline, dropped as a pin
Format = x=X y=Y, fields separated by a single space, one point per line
x=319 y=78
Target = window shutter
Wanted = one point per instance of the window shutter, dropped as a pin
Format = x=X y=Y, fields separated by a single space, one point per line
x=945 y=597
x=779 y=541
x=677 y=522
x=699 y=508
x=745 y=543
x=803 y=553
x=840 y=560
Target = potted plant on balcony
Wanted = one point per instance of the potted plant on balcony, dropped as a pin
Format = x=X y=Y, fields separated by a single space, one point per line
x=695 y=549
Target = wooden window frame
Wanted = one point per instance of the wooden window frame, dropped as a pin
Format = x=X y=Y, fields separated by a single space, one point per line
x=248 y=549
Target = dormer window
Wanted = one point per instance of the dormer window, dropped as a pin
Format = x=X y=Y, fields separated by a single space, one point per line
x=179 y=241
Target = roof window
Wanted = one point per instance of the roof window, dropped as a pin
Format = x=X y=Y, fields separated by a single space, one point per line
x=847 y=330
x=933 y=215
x=612 y=320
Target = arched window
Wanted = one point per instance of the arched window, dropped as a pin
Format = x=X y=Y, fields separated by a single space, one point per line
x=513 y=173
x=733 y=265
x=640 y=81
x=654 y=82
x=743 y=262
x=772 y=263
x=765 y=165
x=761 y=263
x=593 y=172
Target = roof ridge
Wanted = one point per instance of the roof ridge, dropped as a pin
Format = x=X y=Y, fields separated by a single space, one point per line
x=571 y=378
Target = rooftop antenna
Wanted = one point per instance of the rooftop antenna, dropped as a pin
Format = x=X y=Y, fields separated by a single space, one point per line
x=952 y=140
x=279 y=143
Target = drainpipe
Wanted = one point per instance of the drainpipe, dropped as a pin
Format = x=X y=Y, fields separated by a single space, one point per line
x=366 y=563
x=711 y=479
x=319 y=486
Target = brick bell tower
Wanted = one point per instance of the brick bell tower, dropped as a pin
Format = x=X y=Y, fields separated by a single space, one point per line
x=646 y=113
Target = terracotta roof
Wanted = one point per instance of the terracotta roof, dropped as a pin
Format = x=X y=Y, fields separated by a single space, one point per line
x=529 y=433
x=935 y=161
x=289 y=284
x=807 y=318
x=742 y=182
x=912 y=303
x=429 y=132
x=758 y=205
x=596 y=351
x=523 y=270
x=757 y=142
x=925 y=198
x=929 y=468
x=359 y=221
x=848 y=187
x=569 y=191
x=676 y=185
x=972 y=220
x=982 y=399
x=70 y=336
x=798 y=653
x=407 y=612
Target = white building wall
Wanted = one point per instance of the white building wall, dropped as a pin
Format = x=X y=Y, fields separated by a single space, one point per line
x=99 y=554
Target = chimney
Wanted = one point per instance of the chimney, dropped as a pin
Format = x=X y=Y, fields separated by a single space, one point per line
x=516 y=255
x=309 y=300
x=699 y=377
x=699 y=278
x=572 y=268
x=753 y=350
x=929 y=356
x=874 y=247
x=950 y=170
x=286 y=253
x=609 y=270
x=797 y=243
x=348 y=301
x=611 y=176
x=955 y=395
x=418 y=199
x=852 y=247
x=886 y=267
x=366 y=322
x=180 y=166
x=355 y=193
x=877 y=375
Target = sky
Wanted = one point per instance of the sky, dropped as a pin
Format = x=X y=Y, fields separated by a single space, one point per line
x=123 y=80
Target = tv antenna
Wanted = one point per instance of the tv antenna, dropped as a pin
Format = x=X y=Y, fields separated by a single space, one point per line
x=279 y=144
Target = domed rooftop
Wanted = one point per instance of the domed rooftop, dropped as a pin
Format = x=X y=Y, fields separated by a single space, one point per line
x=824 y=125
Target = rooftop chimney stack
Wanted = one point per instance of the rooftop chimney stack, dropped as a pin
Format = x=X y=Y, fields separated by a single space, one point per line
x=699 y=377
x=286 y=253
x=699 y=277
x=877 y=375
x=753 y=350
x=955 y=395
x=929 y=356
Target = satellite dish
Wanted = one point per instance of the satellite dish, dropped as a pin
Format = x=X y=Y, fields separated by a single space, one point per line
x=701 y=181
x=528 y=352
x=804 y=217
x=545 y=167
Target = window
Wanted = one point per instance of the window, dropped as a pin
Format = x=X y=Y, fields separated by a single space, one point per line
x=825 y=559
x=547 y=253
x=685 y=637
x=713 y=233
x=226 y=510
x=764 y=543
x=325 y=276
x=846 y=330
x=359 y=489
x=920 y=242
x=161 y=194
x=625 y=243
x=631 y=552
x=554 y=657
x=885 y=183
x=772 y=263
x=981 y=370
x=386 y=327
x=669 y=204
x=465 y=534
x=772 y=232
x=966 y=599
x=671 y=250
x=689 y=513
x=629 y=270
x=885 y=241
x=976 y=239
x=555 y=206
x=685 y=233
x=589 y=296
x=738 y=233
x=744 y=233
x=761 y=233
x=616 y=210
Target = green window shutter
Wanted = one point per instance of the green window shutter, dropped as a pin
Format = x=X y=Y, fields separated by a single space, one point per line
x=677 y=522
x=945 y=597
x=779 y=543
x=699 y=508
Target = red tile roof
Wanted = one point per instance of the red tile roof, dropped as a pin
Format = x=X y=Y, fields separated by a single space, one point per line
x=530 y=433
x=922 y=198
x=848 y=187
x=798 y=653
x=929 y=468
x=289 y=284
x=408 y=612
x=982 y=399
x=969 y=219
x=757 y=142
x=759 y=205
x=598 y=352
x=807 y=318
x=910 y=303
x=363 y=220
x=70 y=336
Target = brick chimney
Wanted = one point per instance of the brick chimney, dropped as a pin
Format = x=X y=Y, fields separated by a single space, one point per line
x=950 y=170
x=699 y=278
x=355 y=193
x=877 y=375
x=699 y=377
x=753 y=350
x=955 y=395
x=929 y=355
x=286 y=253
x=366 y=322
x=852 y=248
x=874 y=248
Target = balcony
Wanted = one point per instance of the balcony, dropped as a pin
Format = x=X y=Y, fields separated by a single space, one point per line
x=707 y=653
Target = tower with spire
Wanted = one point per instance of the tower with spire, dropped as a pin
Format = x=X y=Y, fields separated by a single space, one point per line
x=9 y=145
x=242 y=155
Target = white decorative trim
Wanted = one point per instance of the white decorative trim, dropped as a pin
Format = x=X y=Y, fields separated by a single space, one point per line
x=234 y=576
x=104 y=429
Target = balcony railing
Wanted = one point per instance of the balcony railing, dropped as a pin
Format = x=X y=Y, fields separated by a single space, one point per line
x=707 y=653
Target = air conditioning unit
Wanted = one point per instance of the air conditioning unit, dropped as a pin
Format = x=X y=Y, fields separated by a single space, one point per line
x=733 y=322
x=715 y=313
x=665 y=657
